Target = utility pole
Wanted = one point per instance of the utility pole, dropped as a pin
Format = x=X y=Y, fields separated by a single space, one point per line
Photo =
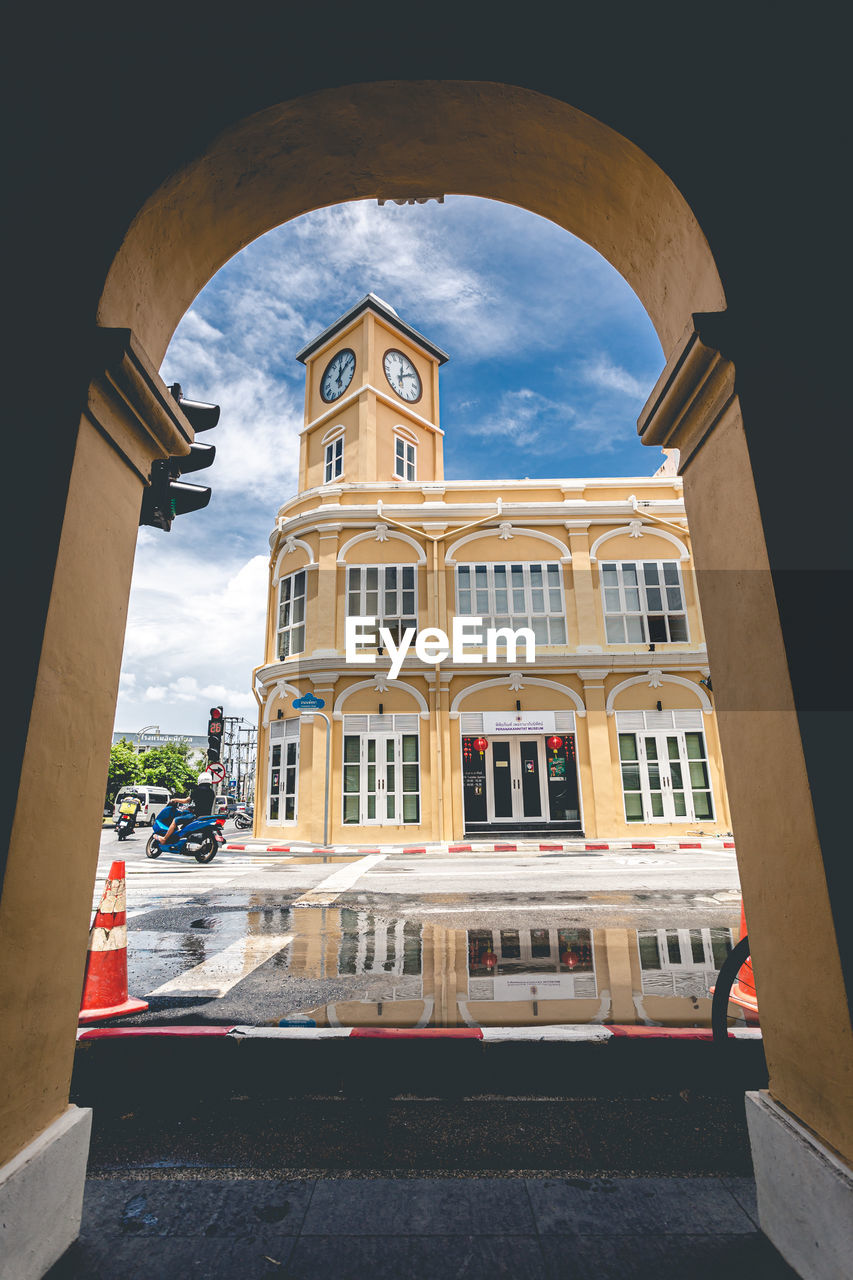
x=238 y=755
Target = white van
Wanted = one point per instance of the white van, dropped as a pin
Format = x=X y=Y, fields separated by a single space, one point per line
x=153 y=800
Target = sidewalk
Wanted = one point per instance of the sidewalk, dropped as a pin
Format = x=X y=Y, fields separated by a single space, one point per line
x=409 y=1227
x=254 y=844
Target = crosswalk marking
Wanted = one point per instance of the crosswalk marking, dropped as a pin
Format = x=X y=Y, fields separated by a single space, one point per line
x=339 y=881
x=217 y=975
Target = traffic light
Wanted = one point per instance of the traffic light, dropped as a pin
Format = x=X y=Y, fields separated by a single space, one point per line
x=214 y=734
x=166 y=495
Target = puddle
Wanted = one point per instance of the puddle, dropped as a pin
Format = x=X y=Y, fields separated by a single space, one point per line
x=576 y=961
x=383 y=970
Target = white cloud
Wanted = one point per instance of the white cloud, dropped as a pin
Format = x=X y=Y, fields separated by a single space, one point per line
x=522 y=416
x=193 y=636
x=602 y=372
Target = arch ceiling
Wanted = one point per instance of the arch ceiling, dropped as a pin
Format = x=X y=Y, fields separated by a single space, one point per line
x=367 y=141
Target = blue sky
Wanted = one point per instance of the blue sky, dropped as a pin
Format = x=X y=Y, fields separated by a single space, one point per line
x=551 y=359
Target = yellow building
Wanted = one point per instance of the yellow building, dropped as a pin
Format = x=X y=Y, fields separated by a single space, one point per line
x=608 y=733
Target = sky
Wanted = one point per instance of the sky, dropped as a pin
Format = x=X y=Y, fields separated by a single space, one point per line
x=552 y=357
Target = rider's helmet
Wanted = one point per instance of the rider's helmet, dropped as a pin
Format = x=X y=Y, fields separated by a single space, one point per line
x=205 y=777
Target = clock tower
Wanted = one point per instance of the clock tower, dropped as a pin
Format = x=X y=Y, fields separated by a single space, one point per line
x=371 y=402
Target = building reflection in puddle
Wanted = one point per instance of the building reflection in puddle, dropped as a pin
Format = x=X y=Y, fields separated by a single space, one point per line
x=395 y=972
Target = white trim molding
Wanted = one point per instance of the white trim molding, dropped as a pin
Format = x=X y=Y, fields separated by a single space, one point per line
x=372 y=535
x=692 y=685
x=504 y=683
x=280 y=686
x=332 y=434
x=372 y=684
x=290 y=545
x=652 y=529
x=507 y=530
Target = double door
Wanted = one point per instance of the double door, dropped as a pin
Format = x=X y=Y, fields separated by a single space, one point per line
x=381 y=782
x=665 y=777
x=516 y=786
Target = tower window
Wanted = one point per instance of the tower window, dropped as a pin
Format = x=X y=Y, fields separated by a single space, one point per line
x=404 y=459
x=334 y=459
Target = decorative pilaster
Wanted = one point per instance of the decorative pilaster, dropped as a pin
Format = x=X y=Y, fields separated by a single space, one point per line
x=599 y=773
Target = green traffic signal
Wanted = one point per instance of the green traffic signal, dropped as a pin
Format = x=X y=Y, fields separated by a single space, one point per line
x=166 y=496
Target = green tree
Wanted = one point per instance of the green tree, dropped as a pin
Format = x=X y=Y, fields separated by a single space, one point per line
x=169 y=766
x=125 y=768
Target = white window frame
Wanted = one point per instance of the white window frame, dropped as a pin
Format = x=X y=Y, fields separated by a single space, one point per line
x=405 y=456
x=287 y=608
x=684 y=976
x=663 y=764
x=333 y=464
x=367 y=602
x=382 y=730
x=488 y=581
x=632 y=594
x=285 y=735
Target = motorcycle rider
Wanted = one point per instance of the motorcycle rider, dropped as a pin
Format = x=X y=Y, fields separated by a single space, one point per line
x=129 y=807
x=176 y=808
x=202 y=795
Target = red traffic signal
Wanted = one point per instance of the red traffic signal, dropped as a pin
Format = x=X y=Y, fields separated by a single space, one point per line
x=214 y=734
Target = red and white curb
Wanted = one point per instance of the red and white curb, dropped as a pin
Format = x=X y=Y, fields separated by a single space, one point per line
x=574 y=1034
x=711 y=845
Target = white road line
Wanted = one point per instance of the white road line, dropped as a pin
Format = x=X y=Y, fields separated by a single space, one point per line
x=217 y=975
x=339 y=881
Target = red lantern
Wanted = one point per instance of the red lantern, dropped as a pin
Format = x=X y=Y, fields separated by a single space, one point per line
x=569 y=960
x=480 y=744
x=555 y=743
x=490 y=959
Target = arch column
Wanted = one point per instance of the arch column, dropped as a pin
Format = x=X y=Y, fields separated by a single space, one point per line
x=787 y=877
x=130 y=419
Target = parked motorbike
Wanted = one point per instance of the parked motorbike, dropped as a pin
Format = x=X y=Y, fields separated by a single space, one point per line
x=126 y=821
x=245 y=817
x=198 y=838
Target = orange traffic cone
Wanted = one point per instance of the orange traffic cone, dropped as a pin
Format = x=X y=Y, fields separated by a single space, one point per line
x=105 y=986
x=743 y=989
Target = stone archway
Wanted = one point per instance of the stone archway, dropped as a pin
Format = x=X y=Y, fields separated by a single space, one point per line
x=367 y=141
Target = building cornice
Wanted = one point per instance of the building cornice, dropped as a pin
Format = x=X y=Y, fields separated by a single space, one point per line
x=421 y=515
x=585 y=666
x=367 y=388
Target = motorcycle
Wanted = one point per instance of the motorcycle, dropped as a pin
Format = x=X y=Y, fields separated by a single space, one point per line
x=245 y=817
x=197 y=838
x=126 y=821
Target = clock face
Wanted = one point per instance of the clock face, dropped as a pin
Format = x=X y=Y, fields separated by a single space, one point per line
x=338 y=375
x=402 y=376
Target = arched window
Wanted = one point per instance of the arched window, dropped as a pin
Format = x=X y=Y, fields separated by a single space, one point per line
x=333 y=466
x=405 y=454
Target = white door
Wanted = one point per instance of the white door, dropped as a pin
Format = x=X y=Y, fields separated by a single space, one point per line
x=381 y=779
x=665 y=777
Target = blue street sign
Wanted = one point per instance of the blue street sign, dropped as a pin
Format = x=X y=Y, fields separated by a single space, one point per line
x=308 y=702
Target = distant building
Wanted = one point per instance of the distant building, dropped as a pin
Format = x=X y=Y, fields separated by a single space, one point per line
x=610 y=733
x=143 y=740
